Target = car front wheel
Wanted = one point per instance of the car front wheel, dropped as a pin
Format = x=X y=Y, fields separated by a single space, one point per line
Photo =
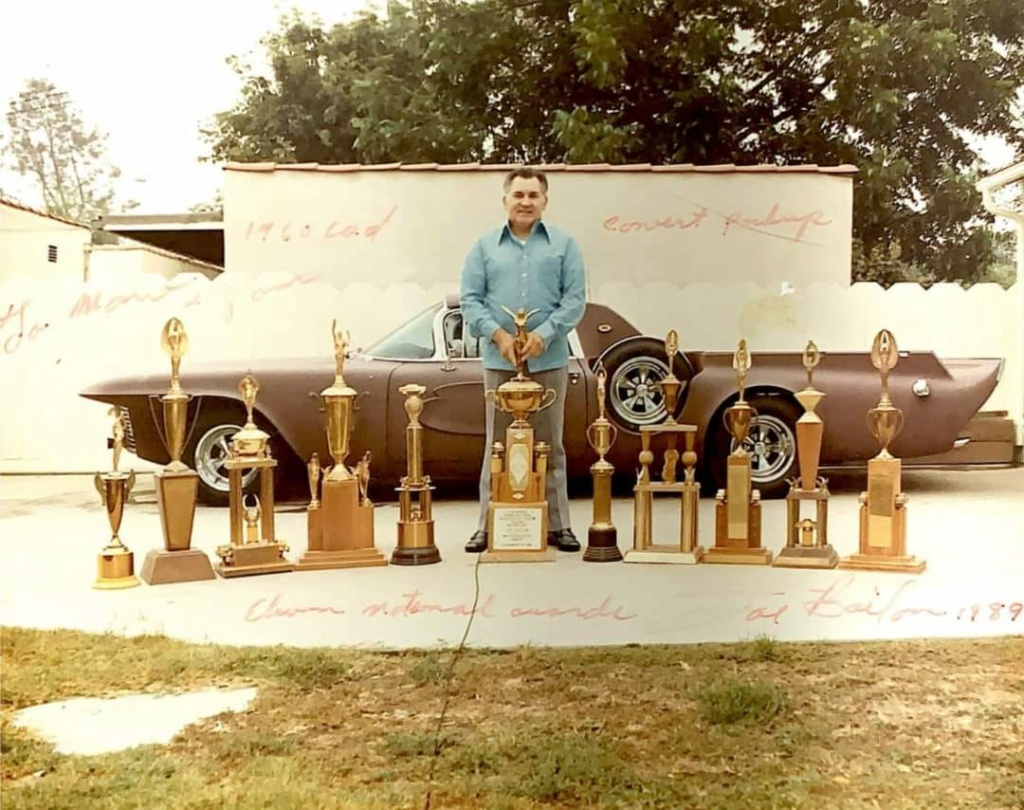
x=635 y=368
x=207 y=451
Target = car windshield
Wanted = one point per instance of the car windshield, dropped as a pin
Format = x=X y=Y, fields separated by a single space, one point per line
x=413 y=340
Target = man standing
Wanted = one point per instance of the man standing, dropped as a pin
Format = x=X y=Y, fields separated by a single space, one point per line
x=526 y=264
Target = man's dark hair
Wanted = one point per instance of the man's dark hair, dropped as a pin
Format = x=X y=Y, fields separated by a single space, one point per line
x=527 y=173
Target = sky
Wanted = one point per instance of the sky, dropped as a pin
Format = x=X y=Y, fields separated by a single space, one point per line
x=147 y=74
x=150 y=75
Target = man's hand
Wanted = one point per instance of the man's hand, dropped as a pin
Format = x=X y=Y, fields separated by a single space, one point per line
x=506 y=344
x=534 y=346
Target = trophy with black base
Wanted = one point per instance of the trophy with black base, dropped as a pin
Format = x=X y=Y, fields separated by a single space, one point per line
x=602 y=536
x=686 y=551
x=807 y=543
x=176 y=484
x=115 y=565
x=738 y=506
x=883 y=512
x=415 y=494
x=344 y=536
x=517 y=516
x=257 y=550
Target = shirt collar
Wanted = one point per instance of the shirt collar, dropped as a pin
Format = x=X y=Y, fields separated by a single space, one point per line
x=538 y=227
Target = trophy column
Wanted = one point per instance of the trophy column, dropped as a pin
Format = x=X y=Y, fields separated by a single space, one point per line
x=738 y=506
x=415 y=494
x=686 y=550
x=115 y=565
x=256 y=551
x=342 y=535
x=883 y=514
x=176 y=484
x=802 y=548
x=602 y=536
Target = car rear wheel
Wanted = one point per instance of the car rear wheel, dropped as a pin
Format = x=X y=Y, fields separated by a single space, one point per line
x=207 y=450
x=771 y=442
x=634 y=370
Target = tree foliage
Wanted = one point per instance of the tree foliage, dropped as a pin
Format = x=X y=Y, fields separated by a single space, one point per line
x=49 y=142
x=897 y=88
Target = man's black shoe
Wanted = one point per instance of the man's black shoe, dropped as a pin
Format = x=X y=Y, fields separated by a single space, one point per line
x=564 y=540
x=477 y=543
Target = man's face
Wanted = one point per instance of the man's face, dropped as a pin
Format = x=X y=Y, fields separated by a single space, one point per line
x=524 y=202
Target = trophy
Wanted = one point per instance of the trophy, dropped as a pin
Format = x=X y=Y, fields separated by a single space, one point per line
x=685 y=551
x=738 y=506
x=341 y=536
x=602 y=543
x=115 y=565
x=517 y=516
x=314 y=515
x=176 y=484
x=256 y=550
x=415 y=516
x=803 y=549
x=883 y=514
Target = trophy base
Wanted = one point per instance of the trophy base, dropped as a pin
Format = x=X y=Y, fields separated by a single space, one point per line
x=115 y=569
x=602 y=545
x=176 y=502
x=425 y=555
x=167 y=567
x=547 y=555
x=870 y=562
x=738 y=556
x=253 y=559
x=807 y=557
x=348 y=558
x=665 y=554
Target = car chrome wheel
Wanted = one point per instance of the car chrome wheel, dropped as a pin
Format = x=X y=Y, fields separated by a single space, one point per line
x=210 y=455
x=634 y=393
x=772 y=448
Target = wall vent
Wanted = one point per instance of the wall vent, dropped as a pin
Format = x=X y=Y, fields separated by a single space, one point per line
x=51 y=253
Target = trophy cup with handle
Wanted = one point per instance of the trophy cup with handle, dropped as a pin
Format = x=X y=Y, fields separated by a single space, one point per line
x=602 y=536
x=115 y=565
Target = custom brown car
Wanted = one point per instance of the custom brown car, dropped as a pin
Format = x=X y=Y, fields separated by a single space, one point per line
x=938 y=397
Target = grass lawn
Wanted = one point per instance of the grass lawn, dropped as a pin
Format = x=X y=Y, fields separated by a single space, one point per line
x=922 y=724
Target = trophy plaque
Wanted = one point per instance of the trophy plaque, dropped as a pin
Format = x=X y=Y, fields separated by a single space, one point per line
x=517 y=516
x=602 y=536
x=807 y=543
x=176 y=484
x=686 y=551
x=115 y=565
x=256 y=550
x=738 y=506
x=883 y=512
x=341 y=535
x=415 y=493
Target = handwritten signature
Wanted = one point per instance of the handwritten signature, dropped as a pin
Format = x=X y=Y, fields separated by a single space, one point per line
x=764 y=224
x=829 y=603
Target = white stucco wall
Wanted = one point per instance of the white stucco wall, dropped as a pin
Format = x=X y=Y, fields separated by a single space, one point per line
x=108 y=263
x=25 y=239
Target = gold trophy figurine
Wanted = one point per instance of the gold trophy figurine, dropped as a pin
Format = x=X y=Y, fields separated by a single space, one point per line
x=802 y=548
x=602 y=536
x=415 y=510
x=883 y=513
x=686 y=550
x=115 y=565
x=256 y=550
x=314 y=514
x=176 y=484
x=344 y=536
x=517 y=516
x=738 y=506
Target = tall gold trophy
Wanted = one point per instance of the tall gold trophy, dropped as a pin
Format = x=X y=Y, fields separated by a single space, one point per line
x=517 y=516
x=602 y=536
x=883 y=513
x=686 y=550
x=256 y=550
x=415 y=494
x=115 y=565
x=176 y=484
x=738 y=506
x=344 y=536
x=807 y=543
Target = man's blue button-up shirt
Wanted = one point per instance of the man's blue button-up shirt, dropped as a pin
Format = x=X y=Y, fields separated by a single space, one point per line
x=545 y=272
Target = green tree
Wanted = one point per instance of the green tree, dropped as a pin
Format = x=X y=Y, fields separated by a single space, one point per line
x=896 y=88
x=48 y=141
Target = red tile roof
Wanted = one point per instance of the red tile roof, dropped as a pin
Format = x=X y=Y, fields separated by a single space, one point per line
x=806 y=168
